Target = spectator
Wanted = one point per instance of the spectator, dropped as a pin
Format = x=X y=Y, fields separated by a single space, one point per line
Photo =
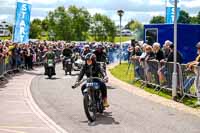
x=170 y=57
x=166 y=48
x=159 y=55
x=148 y=66
x=163 y=72
x=193 y=67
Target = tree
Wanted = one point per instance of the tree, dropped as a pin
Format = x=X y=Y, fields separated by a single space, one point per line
x=136 y=26
x=198 y=18
x=193 y=20
x=35 y=28
x=45 y=24
x=103 y=28
x=59 y=23
x=184 y=17
x=127 y=26
x=80 y=22
x=157 y=20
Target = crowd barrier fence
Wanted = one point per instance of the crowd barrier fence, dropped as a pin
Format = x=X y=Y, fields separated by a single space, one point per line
x=159 y=76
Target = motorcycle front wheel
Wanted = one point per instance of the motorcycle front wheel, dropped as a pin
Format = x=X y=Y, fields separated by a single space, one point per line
x=89 y=108
x=50 y=73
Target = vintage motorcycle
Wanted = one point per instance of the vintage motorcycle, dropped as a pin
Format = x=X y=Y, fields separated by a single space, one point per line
x=92 y=97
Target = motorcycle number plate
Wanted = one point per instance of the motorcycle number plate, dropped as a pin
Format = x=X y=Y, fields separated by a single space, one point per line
x=93 y=85
x=50 y=63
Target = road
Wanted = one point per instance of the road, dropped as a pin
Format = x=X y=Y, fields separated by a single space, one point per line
x=128 y=113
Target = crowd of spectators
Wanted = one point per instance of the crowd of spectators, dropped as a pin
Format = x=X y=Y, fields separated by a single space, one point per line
x=14 y=55
x=156 y=53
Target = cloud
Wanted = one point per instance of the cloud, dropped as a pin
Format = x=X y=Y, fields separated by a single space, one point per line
x=142 y=10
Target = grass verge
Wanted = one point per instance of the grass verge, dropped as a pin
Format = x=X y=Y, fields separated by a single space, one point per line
x=121 y=72
x=116 y=40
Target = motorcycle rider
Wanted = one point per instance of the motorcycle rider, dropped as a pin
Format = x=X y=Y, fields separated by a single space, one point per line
x=86 y=50
x=67 y=53
x=100 y=54
x=92 y=69
x=50 y=54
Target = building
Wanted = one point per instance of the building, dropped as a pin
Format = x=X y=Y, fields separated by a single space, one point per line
x=4 y=29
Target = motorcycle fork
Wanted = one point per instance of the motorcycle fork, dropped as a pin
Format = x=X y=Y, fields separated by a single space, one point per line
x=91 y=92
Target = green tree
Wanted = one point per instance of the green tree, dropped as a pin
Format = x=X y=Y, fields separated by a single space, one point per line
x=35 y=28
x=198 y=18
x=59 y=22
x=157 y=20
x=193 y=20
x=80 y=22
x=184 y=17
x=127 y=26
x=10 y=27
x=45 y=24
x=136 y=25
x=103 y=28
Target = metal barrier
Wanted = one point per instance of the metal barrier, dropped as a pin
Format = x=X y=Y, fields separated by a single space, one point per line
x=10 y=65
x=189 y=81
x=159 y=76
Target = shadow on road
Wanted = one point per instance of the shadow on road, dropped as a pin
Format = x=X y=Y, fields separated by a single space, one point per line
x=111 y=87
x=33 y=73
x=103 y=119
x=53 y=78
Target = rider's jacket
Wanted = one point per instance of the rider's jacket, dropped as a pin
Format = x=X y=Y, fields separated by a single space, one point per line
x=50 y=55
x=84 y=53
x=67 y=52
x=100 y=56
x=93 y=70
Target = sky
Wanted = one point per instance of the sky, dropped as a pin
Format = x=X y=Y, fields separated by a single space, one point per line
x=141 y=10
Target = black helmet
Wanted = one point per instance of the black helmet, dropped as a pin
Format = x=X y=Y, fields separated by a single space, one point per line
x=198 y=45
x=90 y=56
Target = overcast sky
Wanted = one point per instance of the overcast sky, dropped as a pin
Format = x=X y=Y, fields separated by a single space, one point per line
x=142 y=10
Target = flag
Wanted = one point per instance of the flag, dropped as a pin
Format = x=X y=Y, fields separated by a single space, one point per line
x=22 y=21
x=170 y=12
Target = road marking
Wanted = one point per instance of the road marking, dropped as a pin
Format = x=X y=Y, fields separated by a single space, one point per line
x=12 y=131
x=41 y=115
x=18 y=127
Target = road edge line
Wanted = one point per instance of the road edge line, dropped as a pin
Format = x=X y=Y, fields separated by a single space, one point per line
x=37 y=111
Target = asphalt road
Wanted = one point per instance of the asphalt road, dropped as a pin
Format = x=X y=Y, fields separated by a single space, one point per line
x=128 y=113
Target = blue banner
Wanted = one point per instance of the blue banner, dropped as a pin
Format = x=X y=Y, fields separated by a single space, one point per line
x=22 y=22
x=170 y=12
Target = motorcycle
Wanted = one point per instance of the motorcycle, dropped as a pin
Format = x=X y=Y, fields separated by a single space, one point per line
x=103 y=66
x=92 y=98
x=50 y=68
x=68 y=65
x=78 y=64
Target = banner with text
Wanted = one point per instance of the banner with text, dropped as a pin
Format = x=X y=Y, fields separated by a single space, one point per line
x=22 y=21
x=170 y=12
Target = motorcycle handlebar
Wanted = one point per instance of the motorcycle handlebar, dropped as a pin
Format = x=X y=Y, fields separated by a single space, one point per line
x=79 y=83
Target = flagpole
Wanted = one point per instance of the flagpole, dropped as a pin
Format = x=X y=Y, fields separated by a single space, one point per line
x=13 y=29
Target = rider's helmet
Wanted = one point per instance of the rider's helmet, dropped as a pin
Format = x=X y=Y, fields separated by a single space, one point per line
x=50 y=48
x=86 y=46
x=90 y=57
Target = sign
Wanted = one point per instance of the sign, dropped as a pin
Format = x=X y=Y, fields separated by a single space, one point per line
x=170 y=12
x=22 y=21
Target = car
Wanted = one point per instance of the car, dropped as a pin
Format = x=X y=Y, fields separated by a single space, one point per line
x=126 y=33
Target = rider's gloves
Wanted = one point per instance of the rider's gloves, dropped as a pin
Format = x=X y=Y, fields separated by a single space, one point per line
x=105 y=79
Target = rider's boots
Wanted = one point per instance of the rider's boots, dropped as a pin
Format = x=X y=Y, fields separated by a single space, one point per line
x=105 y=103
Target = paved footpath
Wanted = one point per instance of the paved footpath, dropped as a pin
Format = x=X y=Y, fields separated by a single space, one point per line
x=18 y=112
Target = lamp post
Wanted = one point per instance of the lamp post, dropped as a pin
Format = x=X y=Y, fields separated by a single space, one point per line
x=120 y=13
x=174 y=76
